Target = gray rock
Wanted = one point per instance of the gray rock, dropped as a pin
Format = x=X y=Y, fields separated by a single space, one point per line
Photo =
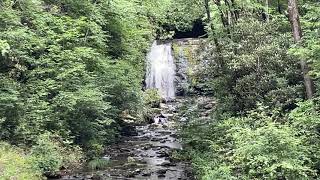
x=161 y=176
x=162 y=171
x=162 y=154
x=97 y=177
x=145 y=174
x=167 y=164
x=163 y=115
x=130 y=175
x=183 y=119
x=208 y=106
x=88 y=176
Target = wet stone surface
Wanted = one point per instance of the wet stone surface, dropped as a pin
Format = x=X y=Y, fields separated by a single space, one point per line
x=146 y=155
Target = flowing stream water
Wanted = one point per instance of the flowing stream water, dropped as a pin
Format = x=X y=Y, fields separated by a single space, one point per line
x=146 y=152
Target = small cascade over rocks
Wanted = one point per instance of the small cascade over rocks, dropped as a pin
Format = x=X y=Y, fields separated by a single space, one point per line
x=161 y=70
x=147 y=154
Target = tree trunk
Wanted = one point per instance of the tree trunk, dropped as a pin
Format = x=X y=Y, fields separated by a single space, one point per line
x=215 y=39
x=279 y=7
x=207 y=7
x=267 y=11
x=297 y=35
x=235 y=10
x=223 y=17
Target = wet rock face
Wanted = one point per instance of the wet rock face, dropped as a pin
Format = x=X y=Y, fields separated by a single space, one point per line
x=145 y=154
x=186 y=53
x=181 y=79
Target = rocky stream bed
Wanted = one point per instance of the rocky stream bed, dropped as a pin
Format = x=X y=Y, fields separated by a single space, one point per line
x=145 y=154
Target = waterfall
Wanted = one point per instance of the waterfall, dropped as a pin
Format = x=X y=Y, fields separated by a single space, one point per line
x=161 y=70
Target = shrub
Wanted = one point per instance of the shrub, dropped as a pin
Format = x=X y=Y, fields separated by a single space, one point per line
x=50 y=154
x=14 y=164
x=306 y=120
x=73 y=157
x=221 y=172
x=94 y=149
x=46 y=154
x=151 y=103
x=10 y=107
x=251 y=147
x=152 y=98
x=97 y=164
x=270 y=152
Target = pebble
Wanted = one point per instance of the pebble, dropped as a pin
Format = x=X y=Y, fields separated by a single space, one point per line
x=146 y=174
x=167 y=164
x=162 y=171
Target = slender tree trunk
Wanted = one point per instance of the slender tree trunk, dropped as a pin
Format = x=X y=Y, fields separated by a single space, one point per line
x=223 y=17
x=228 y=12
x=279 y=7
x=267 y=10
x=215 y=39
x=297 y=35
x=235 y=10
x=207 y=7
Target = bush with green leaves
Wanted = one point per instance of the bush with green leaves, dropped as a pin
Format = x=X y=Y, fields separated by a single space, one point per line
x=261 y=127
x=270 y=152
x=70 y=68
x=152 y=98
x=46 y=154
x=15 y=164
x=10 y=108
x=250 y=147
x=306 y=121
x=49 y=154
x=252 y=66
x=97 y=164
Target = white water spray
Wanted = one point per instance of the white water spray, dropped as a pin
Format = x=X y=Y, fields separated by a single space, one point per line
x=161 y=70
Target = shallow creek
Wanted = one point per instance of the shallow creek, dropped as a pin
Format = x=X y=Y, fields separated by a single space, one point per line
x=145 y=155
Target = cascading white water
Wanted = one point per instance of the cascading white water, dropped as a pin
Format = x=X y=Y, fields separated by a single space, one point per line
x=161 y=70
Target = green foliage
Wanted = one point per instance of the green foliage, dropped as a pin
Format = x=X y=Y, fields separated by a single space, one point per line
x=222 y=172
x=69 y=68
x=152 y=98
x=251 y=147
x=261 y=127
x=270 y=152
x=49 y=154
x=4 y=47
x=10 y=106
x=15 y=164
x=309 y=48
x=151 y=103
x=252 y=66
x=183 y=14
x=46 y=154
x=305 y=119
x=168 y=15
x=97 y=164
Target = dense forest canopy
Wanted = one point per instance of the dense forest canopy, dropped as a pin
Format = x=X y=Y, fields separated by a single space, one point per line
x=70 y=70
